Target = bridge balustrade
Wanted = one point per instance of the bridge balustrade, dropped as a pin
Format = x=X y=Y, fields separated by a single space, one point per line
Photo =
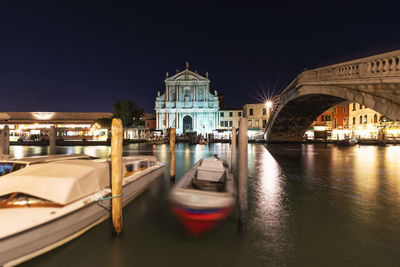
x=384 y=65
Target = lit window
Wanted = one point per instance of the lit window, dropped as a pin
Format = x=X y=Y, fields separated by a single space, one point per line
x=365 y=119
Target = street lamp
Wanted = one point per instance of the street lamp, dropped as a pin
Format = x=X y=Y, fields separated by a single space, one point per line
x=268 y=104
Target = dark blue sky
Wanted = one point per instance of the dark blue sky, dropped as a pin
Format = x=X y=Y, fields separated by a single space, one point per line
x=83 y=56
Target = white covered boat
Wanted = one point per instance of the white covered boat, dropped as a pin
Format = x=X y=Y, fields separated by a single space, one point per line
x=47 y=205
x=14 y=164
x=205 y=195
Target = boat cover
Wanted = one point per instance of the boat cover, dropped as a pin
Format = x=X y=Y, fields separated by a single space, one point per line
x=61 y=182
x=211 y=169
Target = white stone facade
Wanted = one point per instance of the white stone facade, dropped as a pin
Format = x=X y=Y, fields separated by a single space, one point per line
x=187 y=104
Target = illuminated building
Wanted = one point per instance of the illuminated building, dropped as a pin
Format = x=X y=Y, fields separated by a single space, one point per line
x=257 y=117
x=228 y=118
x=34 y=126
x=332 y=124
x=366 y=123
x=187 y=104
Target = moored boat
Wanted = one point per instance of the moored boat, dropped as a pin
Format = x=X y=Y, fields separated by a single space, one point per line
x=15 y=164
x=204 y=196
x=47 y=205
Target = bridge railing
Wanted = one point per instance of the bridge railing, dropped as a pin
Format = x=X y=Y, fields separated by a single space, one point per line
x=383 y=65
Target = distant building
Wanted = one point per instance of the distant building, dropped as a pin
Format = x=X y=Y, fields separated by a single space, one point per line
x=229 y=118
x=26 y=126
x=366 y=123
x=333 y=123
x=257 y=117
x=187 y=104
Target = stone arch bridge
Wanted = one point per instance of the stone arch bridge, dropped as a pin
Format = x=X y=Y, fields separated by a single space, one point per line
x=372 y=81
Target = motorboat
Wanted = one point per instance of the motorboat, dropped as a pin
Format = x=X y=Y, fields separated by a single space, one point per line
x=46 y=205
x=15 y=164
x=204 y=196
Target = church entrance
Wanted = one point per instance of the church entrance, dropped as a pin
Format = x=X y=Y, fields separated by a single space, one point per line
x=187 y=123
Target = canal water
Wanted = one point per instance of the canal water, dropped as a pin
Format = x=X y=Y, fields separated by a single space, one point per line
x=309 y=205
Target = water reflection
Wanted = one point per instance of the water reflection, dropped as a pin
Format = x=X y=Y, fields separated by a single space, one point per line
x=309 y=205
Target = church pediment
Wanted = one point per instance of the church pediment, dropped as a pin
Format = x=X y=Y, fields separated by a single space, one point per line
x=186 y=75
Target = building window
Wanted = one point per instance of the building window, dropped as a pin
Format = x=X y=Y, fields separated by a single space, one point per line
x=230 y=123
x=354 y=106
x=221 y=114
x=222 y=123
x=322 y=118
x=257 y=123
x=365 y=119
x=226 y=123
x=354 y=120
x=249 y=122
x=344 y=110
x=334 y=122
x=264 y=123
x=148 y=124
x=375 y=118
x=360 y=119
x=361 y=106
x=251 y=112
x=264 y=111
x=327 y=117
x=230 y=114
x=334 y=110
x=240 y=114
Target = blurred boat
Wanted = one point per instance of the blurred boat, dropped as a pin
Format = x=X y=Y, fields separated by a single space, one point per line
x=204 y=196
x=46 y=205
x=11 y=165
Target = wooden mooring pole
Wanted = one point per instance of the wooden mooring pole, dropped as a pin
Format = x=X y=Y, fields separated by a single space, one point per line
x=233 y=149
x=116 y=173
x=172 y=152
x=6 y=147
x=242 y=175
x=52 y=140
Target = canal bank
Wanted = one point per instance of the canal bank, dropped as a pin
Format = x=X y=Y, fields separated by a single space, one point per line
x=309 y=205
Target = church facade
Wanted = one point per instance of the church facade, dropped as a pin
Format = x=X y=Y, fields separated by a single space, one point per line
x=187 y=104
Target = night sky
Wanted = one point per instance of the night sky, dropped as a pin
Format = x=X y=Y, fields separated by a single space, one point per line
x=83 y=56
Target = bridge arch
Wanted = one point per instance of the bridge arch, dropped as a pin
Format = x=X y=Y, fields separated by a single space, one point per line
x=314 y=91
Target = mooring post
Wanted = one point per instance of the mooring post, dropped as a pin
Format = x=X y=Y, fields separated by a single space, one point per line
x=242 y=175
x=172 y=152
x=233 y=149
x=6 y=148
x=2 y=141
x=52 y=140
x=116 y=173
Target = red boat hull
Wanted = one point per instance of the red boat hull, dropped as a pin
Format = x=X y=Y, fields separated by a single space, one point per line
x=198 y=222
